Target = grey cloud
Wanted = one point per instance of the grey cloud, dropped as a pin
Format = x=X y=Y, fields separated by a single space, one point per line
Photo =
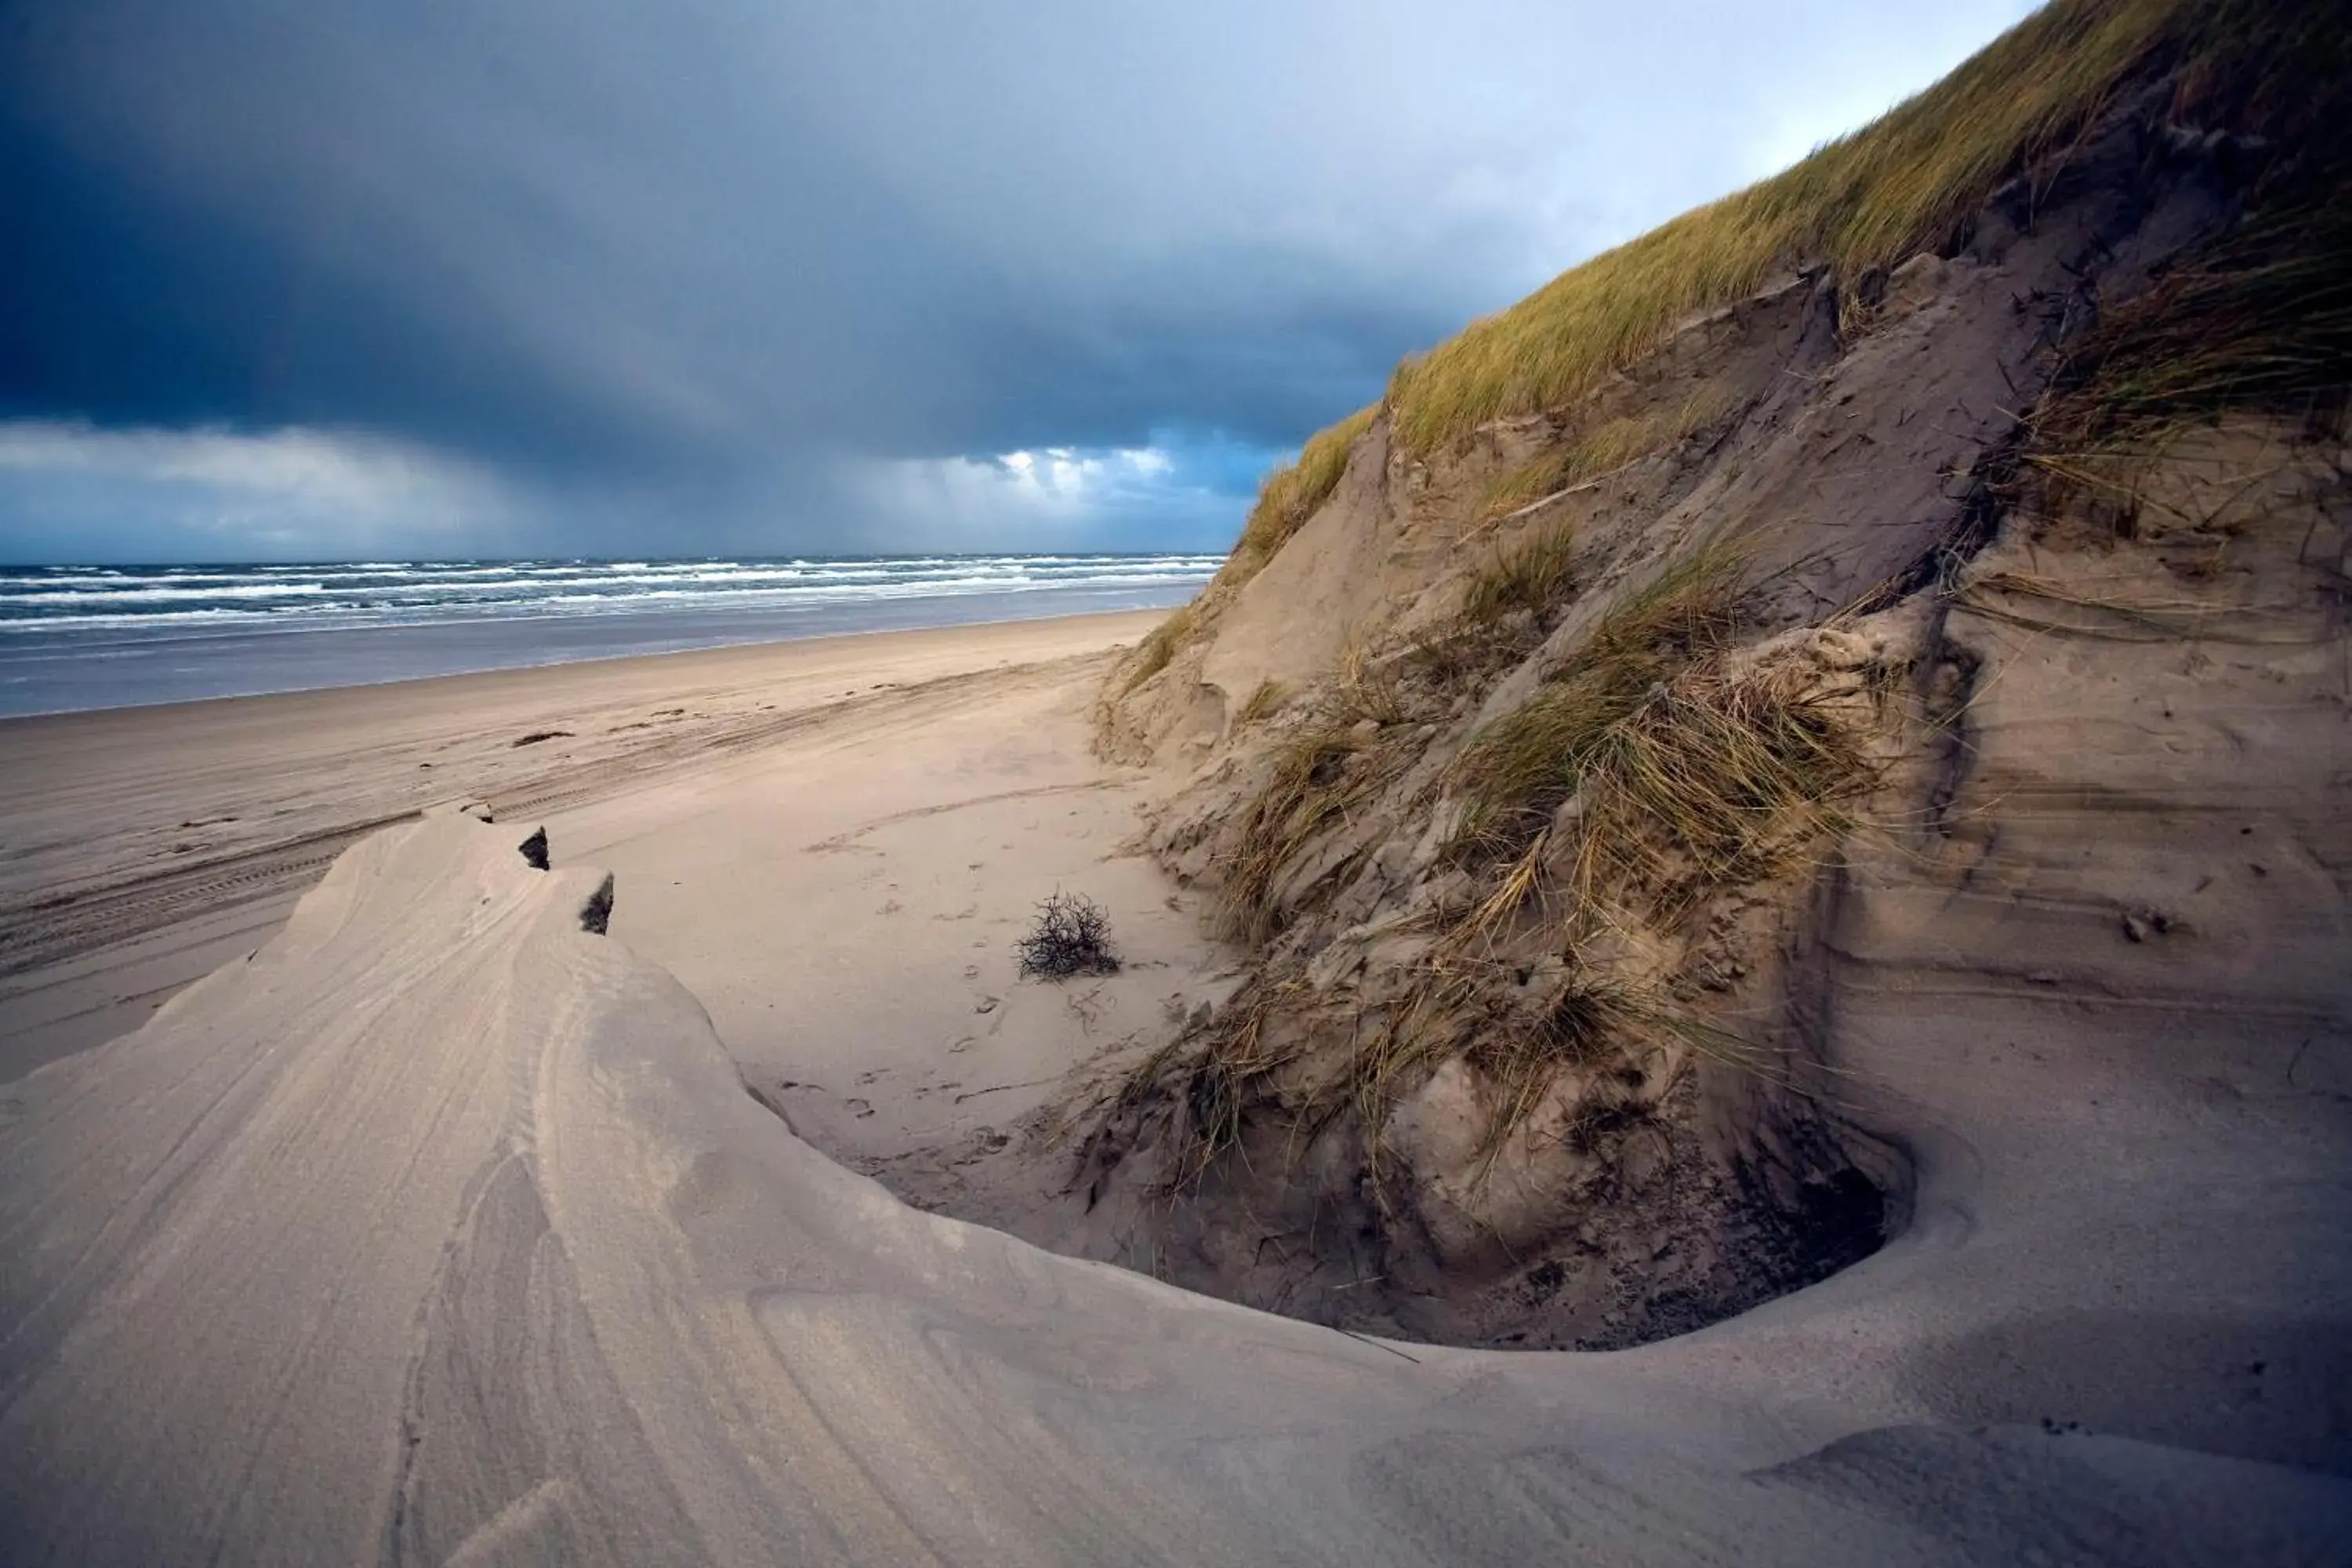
x=714 y=257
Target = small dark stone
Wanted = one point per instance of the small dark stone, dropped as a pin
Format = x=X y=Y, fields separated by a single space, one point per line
x=596 y=914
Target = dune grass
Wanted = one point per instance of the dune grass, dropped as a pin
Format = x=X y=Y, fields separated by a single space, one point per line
x=1516 y=773
x=1508 y=604
x=1686 y=776
x=1710 y=782
x=1530 y=575
x=1321 y=776
x=1607 y=447
x=1707 y=779
x=1292 y=492
x=1907 y=182
x=1160 y=645
x=2262 y=321
x=1263 y=703
x=1692 y=775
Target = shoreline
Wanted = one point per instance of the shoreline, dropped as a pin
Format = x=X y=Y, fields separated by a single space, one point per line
x=449 y=634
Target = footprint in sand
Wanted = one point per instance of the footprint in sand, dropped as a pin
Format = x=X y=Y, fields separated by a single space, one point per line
x=988 y=1004
x=858 y=1107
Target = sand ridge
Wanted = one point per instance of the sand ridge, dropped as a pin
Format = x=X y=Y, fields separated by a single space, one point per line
x=536 y=1280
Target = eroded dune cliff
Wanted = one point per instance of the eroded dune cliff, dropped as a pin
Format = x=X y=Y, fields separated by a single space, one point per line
x=1620 y=771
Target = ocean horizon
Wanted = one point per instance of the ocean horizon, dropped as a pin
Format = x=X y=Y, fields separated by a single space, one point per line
x=78 y=637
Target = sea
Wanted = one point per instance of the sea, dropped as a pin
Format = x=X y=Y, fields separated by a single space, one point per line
x=79 y=637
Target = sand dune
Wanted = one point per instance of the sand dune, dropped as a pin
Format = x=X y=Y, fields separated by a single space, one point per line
x=442 y=1230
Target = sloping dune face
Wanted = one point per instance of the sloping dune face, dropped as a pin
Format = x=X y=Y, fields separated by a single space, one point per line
x=442 y=1230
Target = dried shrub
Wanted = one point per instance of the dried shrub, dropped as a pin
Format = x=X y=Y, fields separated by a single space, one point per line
x=1071 y=936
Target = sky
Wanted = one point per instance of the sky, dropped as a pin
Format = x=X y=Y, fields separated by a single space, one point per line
x=318 y=279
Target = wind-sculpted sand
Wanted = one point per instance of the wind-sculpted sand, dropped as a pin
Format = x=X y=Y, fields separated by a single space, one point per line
x=442 y=1230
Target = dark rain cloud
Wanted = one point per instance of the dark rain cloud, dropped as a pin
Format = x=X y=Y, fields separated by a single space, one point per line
x=724 y=272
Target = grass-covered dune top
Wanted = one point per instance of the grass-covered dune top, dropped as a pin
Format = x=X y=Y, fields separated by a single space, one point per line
x=1907 y=183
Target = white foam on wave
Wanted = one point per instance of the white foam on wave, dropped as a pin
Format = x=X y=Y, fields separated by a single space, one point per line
x=183 y=600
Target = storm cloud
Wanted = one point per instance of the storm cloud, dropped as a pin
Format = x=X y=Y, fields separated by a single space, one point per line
x=309 y=277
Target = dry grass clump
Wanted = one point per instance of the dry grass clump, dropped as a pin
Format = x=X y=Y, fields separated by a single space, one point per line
x=1707 y=778
x=1507 y=608
x=1320 y=776
x=1589 y=1020
x=2262 y=321
x=1162 y=644
x=1263 y=703
x=1713 y=780
x=1515 y=773
x=1692 y=784
x=1365 y=689
x=1208 y=1079
x=1690 y=777
x=1465 y=1007
x=1531 y=576
x=1612 y=445
x=1710 y=781
x=1223 y=1078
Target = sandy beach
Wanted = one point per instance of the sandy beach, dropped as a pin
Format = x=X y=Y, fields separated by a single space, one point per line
x=143 y=847
x=558 y=1246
